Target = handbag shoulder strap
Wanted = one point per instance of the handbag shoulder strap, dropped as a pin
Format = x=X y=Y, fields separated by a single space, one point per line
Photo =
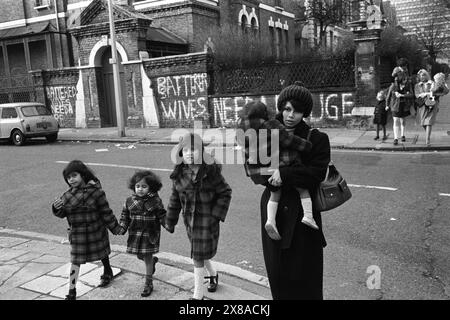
x=329 y=164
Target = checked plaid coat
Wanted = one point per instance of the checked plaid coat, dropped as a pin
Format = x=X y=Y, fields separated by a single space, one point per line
x=142 y=217
x=88 y=214
x=290 y=146
x=204 y=201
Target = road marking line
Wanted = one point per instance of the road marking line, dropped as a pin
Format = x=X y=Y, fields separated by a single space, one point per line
x=444 y=194
x=372 y=187
x=119 y=166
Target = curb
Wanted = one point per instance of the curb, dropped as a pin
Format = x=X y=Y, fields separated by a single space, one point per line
x=172 y=258
x=224 y=145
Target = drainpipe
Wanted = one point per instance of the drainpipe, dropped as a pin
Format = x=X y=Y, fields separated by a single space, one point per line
x=56 y=12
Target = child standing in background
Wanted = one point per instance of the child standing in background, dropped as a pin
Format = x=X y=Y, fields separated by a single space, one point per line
x=142 y=215
x=380 y=114
x=88 y=214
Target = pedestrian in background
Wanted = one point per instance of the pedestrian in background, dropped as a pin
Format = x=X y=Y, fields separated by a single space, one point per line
x=400 y=100
x=142 y=215
x=88 y=213
x=203 y=196
x=255 y=116
x=295 y=263
x=425 y=89
x=380 y=114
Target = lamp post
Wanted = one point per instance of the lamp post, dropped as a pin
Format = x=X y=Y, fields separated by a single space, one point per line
x=116 y=73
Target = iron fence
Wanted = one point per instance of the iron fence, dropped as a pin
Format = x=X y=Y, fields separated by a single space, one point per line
x=17 y=89
x=272 y=78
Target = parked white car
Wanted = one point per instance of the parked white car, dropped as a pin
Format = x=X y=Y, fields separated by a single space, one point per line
x=22 y=120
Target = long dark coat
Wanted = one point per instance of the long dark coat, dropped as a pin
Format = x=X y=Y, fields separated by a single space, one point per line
x=142 y=217
x=295 y=263
x=88 y=214
x=203 y=202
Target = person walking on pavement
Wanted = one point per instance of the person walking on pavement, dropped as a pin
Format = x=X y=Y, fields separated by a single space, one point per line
x=88 y=213
x=380 y=114
x=142 y=215
x=425 y=89
x=255 y=116
x=399 y=100
x=295 y=263
x=202 y=194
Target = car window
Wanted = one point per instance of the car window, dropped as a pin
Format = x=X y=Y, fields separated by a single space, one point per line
x=8 y=113
x=31 y=111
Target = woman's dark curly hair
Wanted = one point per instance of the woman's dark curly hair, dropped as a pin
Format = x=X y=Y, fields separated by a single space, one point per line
x=153 y=181
x=78 y=166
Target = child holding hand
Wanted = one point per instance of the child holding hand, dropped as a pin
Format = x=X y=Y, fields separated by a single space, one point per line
x=142 y=215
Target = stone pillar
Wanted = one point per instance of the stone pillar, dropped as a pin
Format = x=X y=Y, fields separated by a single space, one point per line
x=367 y=33
x=39 y=85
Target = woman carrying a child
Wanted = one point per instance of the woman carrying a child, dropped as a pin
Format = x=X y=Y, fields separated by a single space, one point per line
x=294 y=264
x=424 y=89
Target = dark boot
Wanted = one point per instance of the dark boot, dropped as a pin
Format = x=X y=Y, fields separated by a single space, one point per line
x=72 y=294
x=148 y=287
x=105 y=279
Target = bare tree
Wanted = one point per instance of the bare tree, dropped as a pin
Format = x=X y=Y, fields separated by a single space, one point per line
x=434 y=37
x=326 y=13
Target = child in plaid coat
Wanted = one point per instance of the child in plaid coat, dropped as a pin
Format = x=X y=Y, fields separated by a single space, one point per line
x=255 y=116
x=142 y=215
x=88 y=214
x=203 y=196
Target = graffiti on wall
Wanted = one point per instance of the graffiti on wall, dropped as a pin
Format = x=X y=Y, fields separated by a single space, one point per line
x=62 y=101
x=336 y=106
x=183 y=97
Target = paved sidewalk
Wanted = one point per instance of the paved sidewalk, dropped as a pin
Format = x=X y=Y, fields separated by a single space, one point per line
x=340 y=138
x=35 y=266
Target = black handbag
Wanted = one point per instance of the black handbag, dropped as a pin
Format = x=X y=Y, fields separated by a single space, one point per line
x=332 y=192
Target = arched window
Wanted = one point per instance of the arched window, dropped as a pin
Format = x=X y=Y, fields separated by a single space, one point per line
x=244 y=24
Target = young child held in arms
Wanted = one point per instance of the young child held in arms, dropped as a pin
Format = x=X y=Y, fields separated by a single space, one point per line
x=255 y=116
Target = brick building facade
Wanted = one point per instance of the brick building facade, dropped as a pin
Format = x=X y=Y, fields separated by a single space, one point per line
x=63 y=35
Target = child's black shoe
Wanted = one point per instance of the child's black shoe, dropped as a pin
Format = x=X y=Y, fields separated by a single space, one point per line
x=105 y=279
x=148 y=287
x=213 y=282
x=376 y=138
x=72 y=295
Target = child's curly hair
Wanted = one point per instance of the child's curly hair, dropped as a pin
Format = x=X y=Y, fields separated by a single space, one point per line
x=153 y=181
x=439 y=80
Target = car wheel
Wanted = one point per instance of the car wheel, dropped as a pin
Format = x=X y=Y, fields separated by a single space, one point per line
x=52 y=137
x=18 y=138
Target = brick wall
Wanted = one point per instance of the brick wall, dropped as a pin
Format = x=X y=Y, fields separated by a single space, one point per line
x=180 y=86
x=15 y=10
x=331 y=106
x=59 y=91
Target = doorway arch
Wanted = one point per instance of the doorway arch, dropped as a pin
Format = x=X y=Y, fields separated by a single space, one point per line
x=106 y=93
x=99 y=59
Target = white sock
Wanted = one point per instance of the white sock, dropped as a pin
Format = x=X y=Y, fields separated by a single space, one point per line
x=272 y=208
x=307 y=207
x=199 y=274
x=209 y=267
x=73 y=275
